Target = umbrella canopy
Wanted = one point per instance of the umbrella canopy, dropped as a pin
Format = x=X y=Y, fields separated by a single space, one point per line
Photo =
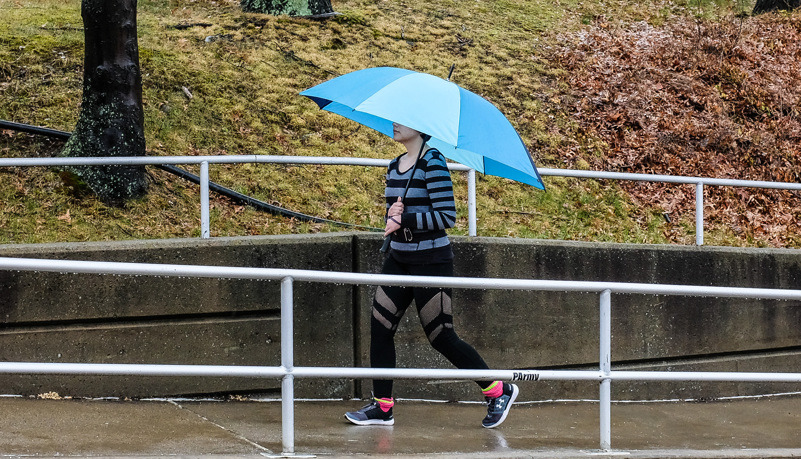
x=463 y=126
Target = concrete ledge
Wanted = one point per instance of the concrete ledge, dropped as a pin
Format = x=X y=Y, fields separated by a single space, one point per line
x=553 y=330
x=52 y=317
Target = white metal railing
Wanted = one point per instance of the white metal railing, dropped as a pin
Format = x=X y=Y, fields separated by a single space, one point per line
x=204 y=162
x=699 y=183
x=287 y=371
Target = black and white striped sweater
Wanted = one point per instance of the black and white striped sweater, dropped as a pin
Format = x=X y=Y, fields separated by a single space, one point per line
x=429 y=209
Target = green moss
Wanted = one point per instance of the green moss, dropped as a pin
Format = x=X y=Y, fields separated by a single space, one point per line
x=351 y=18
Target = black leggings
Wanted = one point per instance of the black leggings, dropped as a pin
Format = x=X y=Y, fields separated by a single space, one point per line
x=436 y=317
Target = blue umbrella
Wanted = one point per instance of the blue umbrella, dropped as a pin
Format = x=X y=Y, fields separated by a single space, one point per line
x=463 y=126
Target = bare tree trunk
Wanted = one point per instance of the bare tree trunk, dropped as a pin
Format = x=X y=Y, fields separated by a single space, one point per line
x=764 y=6
x=319 y=8
x=111 y=121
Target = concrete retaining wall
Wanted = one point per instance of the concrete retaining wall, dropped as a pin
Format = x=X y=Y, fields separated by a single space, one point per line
x=53 y=317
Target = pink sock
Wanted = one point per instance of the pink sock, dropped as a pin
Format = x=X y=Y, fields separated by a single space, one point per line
x=386 y=404
x=495 y=390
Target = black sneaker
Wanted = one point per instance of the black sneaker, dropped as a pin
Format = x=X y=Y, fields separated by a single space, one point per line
x=498 y=408
x=371 y=415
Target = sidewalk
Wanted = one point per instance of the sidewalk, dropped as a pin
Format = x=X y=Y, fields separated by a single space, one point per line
x=762 y=427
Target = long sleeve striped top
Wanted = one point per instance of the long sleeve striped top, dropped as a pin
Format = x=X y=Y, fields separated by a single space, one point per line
x=429 y=209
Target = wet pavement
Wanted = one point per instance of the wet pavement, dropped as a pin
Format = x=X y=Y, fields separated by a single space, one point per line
x=755 y=427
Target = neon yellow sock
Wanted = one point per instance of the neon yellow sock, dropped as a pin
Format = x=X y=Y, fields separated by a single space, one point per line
x=495 y=390
x=386 y=404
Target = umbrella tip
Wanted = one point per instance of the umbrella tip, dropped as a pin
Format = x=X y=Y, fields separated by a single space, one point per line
x=450 y=72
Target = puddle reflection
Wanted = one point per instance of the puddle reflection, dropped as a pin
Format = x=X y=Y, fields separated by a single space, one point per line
x=380 y=436
x=496 y=440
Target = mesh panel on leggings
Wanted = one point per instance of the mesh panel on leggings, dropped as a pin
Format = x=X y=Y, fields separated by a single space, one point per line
x=384 y=310
x=436 y=314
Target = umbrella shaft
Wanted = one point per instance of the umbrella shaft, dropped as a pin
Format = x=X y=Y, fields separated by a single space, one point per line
x=385 y=246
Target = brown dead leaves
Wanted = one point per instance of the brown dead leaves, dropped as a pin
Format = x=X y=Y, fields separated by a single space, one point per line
x=710 y=99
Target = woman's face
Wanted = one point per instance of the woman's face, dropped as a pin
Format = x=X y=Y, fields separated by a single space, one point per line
x=402 y=133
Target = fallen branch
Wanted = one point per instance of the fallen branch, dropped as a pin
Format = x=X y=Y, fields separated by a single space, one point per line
x=190 y=25
x=516 y=212
x=291 y=54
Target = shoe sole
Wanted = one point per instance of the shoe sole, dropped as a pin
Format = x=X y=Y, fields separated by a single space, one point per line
x=371 y=422
x=515 y=391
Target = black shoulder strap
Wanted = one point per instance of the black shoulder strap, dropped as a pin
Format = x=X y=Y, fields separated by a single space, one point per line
x=414 y=169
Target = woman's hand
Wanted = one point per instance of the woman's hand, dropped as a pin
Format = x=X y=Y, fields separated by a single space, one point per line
x=394 y=217
x=393 y=224
x=396 y=209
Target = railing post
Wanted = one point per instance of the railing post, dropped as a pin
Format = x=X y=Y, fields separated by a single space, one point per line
x=204 y=200
x=699 y=213
x=471 y=202
x=287 y=361
x=605 y=360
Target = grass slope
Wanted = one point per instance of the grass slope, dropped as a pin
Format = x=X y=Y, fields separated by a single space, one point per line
x=244 y=72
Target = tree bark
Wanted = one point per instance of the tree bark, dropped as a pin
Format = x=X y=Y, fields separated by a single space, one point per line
x=111 y=120
x=320 y=8
x=764 y=6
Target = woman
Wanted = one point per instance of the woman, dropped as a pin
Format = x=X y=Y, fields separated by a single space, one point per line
x=419 y=246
